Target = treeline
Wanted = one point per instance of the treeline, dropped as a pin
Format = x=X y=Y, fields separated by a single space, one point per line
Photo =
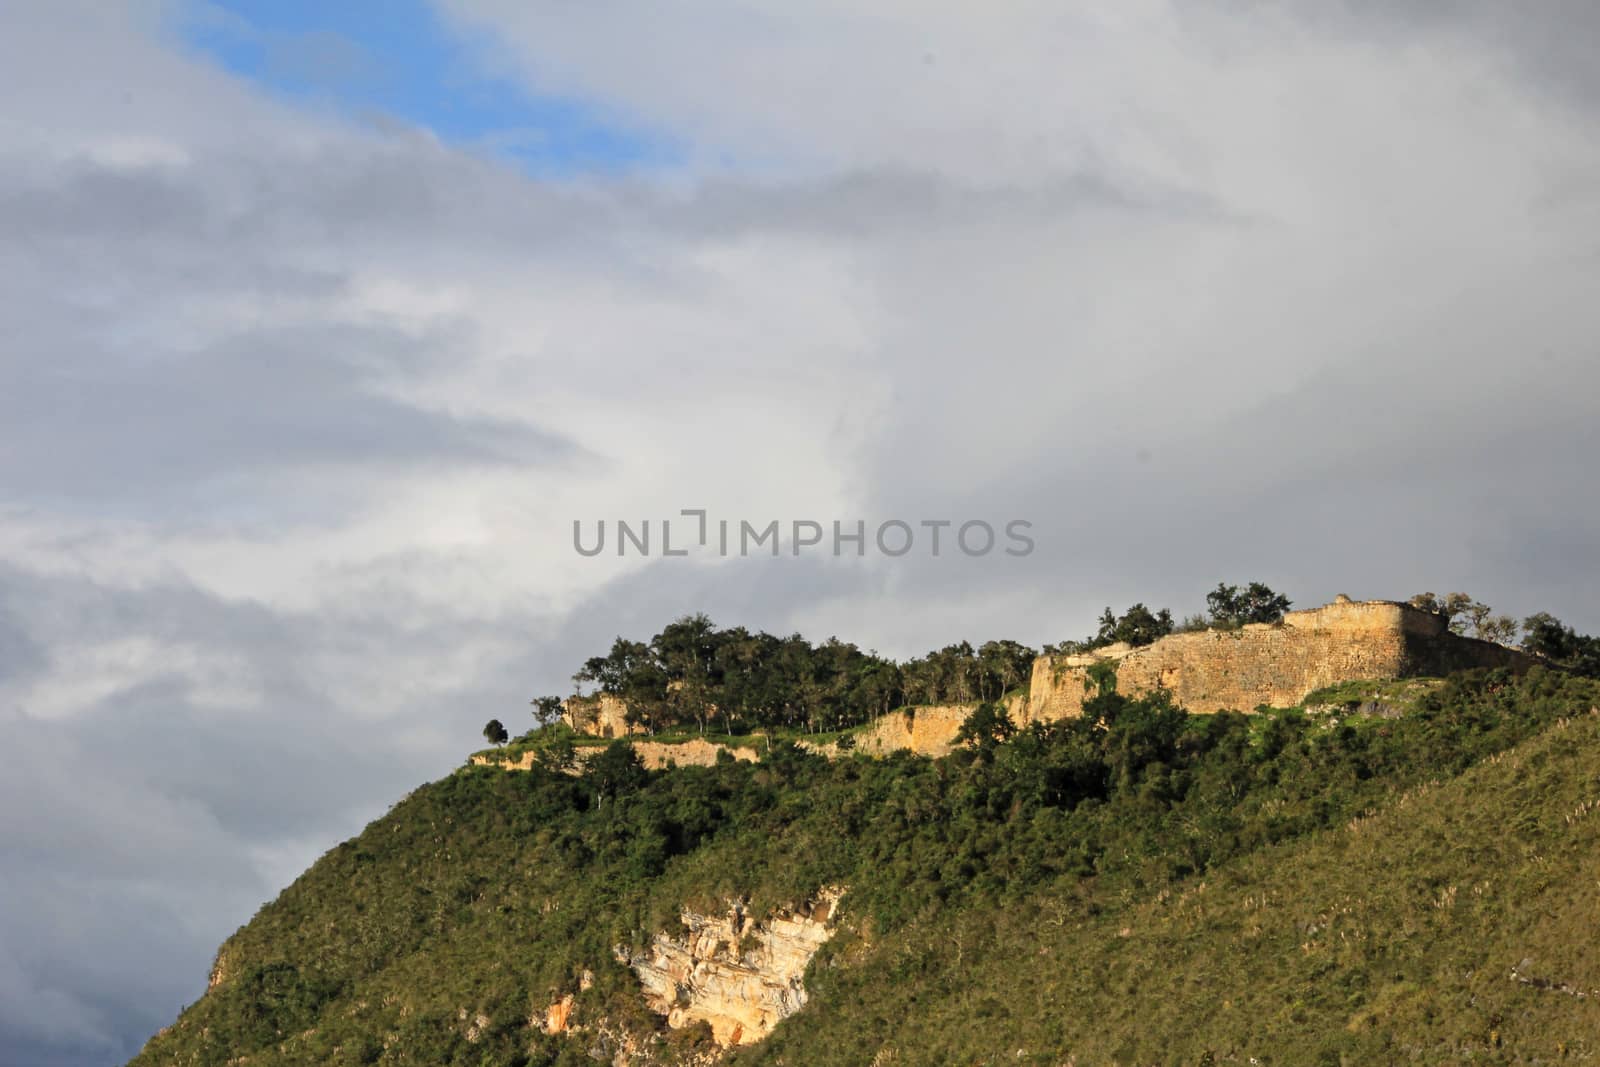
x=1542 y=633
x=1228 y=607
x=427 y=938
x=694 y=673
x=1545 y=635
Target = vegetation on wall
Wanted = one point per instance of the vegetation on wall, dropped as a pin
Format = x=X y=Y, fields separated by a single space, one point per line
x=1227 y=608
x=693 y=673
x=1542 y=633
x=736 y=681
x=1468 y=617
x=1231 y=606
x=1547 y=636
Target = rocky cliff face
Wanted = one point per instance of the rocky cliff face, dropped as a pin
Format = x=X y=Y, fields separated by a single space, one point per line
x=740 y=976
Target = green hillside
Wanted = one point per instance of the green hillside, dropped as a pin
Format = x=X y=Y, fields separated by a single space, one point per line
x=1138 y=886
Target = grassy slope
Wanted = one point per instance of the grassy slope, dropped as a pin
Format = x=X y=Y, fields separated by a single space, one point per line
x=1389 y=939
x=982 y=919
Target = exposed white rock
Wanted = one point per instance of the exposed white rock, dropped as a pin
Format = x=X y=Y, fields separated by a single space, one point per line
x=741 y=976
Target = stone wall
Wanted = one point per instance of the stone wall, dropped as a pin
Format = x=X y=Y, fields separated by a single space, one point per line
x=655 y=755
x=1271 y=664
x=922 y=730
x=927 y=730
x=658 y=754
x=1207 y=671
x=601 y=715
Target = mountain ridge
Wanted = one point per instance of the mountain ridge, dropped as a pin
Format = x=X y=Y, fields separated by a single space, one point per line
x=447 y=930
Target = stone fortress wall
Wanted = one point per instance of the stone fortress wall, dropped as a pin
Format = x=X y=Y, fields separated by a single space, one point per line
x=600 y=715
x=1275 y=664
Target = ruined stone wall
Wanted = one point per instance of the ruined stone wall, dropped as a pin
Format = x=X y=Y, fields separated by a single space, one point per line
x=1208 y=671
x=601 y=715
x=922 y=730
x=655 y=755
x=658 y=754
x=927 y=730
x=1277 y=664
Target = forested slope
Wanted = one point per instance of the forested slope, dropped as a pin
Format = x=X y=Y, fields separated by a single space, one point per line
x=1137 y=886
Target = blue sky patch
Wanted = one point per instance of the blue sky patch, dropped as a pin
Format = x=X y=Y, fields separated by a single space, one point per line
x=397 y=58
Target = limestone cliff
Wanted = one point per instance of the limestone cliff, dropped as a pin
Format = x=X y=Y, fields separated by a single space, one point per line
x=740 y=976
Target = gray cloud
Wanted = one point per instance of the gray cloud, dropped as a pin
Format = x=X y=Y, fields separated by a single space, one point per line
x=111 y=393
x=297 y=413
x=273 y=398
x=1550 y=47
x=140 y=829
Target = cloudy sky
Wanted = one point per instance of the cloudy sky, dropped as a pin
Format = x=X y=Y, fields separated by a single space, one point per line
x=319 y=329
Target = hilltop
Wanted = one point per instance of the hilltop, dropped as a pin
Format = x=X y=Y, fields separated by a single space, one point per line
x=1239 y=667
x=1391 y=869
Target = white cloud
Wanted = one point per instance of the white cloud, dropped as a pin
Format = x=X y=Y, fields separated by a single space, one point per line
x=299 y=413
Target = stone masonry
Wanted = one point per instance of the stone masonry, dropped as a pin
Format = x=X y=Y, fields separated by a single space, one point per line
x=1276 y=664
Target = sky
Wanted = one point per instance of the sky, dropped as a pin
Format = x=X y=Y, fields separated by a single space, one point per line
x=320 y=325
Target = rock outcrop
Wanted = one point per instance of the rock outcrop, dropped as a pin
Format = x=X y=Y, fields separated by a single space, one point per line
x=741 y=976
x=557 y=1018
x=1276 y=664
x=221 y=969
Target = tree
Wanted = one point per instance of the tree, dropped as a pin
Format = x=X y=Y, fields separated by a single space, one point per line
x=1222 y=604
x=1231 y=606
x=954 y=675
x=558 y=755
x=1547 y=636
x=1425 y=602
x=495 y=733
x=686 y=650
x=986 y=727
x=1459 y=609
x=1260 y=603
x=546 y=710
x=1474 y=617
x=615 y=772
x=1501 y=629
x=1005 y=665
x=1464 y=615
x=1137 y=626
